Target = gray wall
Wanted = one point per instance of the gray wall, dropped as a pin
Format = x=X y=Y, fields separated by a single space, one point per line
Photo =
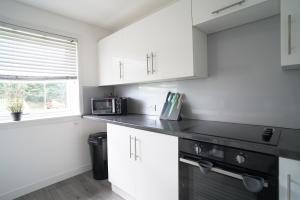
x=246 y=83
x=89 y=92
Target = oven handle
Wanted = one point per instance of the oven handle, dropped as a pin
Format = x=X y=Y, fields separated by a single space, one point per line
x=218 y=170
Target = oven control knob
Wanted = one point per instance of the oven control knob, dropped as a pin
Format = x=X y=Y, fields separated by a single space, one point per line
x=197 y=149
x=240 y=159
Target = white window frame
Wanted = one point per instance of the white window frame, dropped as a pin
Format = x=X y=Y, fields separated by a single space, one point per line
x=74 y=109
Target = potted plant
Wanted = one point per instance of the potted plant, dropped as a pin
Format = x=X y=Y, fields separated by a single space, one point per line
x=16 y=107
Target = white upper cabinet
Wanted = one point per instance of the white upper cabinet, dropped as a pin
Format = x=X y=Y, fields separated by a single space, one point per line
x=121 y=57
x=110 y=70
x=216 y=15
x=162 y=46
x=290 y=34
x=289 y=179
x=172 y=44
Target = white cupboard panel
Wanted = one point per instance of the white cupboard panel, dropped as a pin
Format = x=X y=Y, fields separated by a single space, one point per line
x=157 y=166
x=216 y=15
x=290 y=31
x=289 y=179
x=121 y=169
x=110 y=60
x=134 y=51
x=150 y=171
x=170 y=41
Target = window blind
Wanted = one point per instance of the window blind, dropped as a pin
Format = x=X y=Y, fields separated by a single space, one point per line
x=28 y=55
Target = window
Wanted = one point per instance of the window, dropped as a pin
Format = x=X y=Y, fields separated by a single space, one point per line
x=39 y=70
x=39 y=96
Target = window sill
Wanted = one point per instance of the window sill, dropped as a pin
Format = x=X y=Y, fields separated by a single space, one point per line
x=37 y=120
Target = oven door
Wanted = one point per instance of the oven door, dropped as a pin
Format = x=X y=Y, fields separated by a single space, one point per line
x=103 y=106
x=206 y=180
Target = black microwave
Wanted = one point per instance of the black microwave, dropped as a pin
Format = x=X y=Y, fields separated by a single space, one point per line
x=109 y=106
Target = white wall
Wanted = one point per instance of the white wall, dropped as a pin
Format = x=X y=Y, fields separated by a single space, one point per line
x=33 y=156
x=36 y=154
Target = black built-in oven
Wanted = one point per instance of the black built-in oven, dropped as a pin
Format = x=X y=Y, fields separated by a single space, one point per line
x=213 y=172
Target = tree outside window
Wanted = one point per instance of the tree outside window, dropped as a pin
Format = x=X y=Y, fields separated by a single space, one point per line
x=37 y=97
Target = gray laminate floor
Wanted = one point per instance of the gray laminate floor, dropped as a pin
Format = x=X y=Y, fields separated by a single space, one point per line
x=81 y=187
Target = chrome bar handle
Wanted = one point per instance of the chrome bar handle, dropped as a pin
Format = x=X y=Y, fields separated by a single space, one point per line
x=152 y=63
x=229 y=6
x=217 y=170
x=289 y=34
x=135 y=155
x=147 y=57
x=288 y=187
x=113 y=103
x=130 y=153
x=120 y=69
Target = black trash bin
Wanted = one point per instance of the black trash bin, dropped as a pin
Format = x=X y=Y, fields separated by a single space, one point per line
x=98 y=149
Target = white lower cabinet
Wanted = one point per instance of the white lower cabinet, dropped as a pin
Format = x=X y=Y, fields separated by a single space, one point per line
x=143 y=165
x=120 y=166
x=157 y=166
x=289 y=179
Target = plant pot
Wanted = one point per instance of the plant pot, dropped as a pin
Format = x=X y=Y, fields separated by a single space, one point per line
x=16 y=116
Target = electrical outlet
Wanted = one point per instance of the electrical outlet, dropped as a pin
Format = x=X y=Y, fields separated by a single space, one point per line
x=150 y=109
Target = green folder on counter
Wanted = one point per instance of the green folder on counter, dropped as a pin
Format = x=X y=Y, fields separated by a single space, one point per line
x=172 y=107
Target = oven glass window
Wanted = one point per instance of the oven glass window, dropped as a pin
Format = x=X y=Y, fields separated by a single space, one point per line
x=194 y=185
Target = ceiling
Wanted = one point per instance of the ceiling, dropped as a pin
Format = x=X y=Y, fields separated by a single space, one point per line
x=108 y=14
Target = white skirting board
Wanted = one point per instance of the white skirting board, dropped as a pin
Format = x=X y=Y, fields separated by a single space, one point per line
x=43 y=183
x=121 y=193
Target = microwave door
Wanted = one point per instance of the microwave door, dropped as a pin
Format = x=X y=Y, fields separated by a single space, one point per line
x=103 y=107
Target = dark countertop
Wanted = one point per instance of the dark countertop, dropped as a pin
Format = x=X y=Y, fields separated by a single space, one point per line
x=288 y=145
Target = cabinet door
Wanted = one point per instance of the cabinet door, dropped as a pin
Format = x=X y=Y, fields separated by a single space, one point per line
x=110 y=66
x=216 y=15
x=134 y=51
x=289 y=179
x=121 y=166
x=170 y=42
x=290 y=31
x=157 y=166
